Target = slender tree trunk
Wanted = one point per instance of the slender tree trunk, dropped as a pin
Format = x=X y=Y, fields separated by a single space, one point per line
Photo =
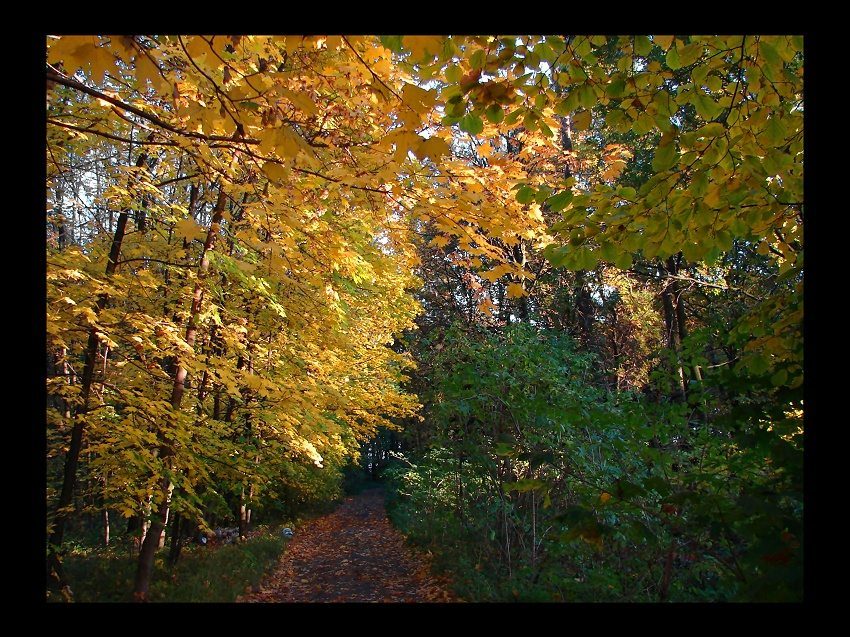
x=243 y=513
x=158 y=521
x=673 y=341
x=176 y=540
x=250 y=499
x=64 y=506
x=681 y=314
x=584 y=308
x=134 y=523
x=165 y=519
x=522 y=302
x=146 y=522
x=667 y=576
x=615 y=349
x=104 y=513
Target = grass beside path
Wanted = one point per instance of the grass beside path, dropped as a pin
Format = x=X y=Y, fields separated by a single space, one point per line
x=203 y=574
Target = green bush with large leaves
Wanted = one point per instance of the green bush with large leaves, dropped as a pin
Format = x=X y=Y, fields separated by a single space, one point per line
x=537 y=485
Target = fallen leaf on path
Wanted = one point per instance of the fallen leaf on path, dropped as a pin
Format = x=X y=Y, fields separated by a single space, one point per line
x=352 y=555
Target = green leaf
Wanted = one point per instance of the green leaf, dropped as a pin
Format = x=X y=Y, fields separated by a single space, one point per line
x=774 y=132
x=665 y=158
x=494 y=113
x=574 y=515
x=657 y=484
x=757 y=364
x=714 y=129
x=556 y=255
x=545 y=457
x=471 y=124
x=586 y=96
x=524 y=485
x=706 y=107
x=513 y=116
x=525 y=194
x=453 y=73
x=672 y=59
x=542 y=194
x=779 y=378
x=690 y=54
x=392 y=42
x=585 y=259
x=545 y=52
x=699 y=74
x=456 y=106
x=769 y=53
x=642 y=45
x=616 y=88
x=643 y=124
x=560 y=201
x=616 y=119
x=623 y=261
x=693 y=251
x=478 y=59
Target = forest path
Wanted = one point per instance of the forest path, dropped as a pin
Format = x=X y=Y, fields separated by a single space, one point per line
x=351 y=555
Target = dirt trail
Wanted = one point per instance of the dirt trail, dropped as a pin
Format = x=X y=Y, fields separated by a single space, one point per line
x=351 y=555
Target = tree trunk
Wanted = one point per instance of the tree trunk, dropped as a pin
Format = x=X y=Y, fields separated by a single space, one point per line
x=243 y=513
x=679 y=301
x=105 y=514
x=65 y=504
x=176 y=540
x=146 y=523
x=584 y=308
x=158 y=521
x=673 y=339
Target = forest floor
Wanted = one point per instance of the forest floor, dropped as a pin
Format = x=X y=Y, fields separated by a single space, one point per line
x=351 y=555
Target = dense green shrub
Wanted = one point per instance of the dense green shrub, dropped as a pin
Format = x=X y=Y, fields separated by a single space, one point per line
x=539 y=486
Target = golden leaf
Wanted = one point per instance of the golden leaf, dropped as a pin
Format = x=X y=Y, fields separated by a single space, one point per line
x=188 y=229
x=496 y=273
x=288 y=144
x=581 y=120
x=434 y=148
x=418 y=99
x=422 y=45
x=664 y=41
x=515 y=290
x=487 y=306
x=197 y=48
x=275 y=171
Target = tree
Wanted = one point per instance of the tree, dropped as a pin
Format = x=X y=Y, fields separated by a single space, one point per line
x=246 y=221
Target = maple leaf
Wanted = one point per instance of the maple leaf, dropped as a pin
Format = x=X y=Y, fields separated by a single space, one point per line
x=515 y=290
x=423 y=45
x=433 y=147
x=188 y=229
x=417 y=98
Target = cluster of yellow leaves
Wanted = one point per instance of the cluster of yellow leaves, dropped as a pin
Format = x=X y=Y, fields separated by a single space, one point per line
x=333 y=156
x=308 y=283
